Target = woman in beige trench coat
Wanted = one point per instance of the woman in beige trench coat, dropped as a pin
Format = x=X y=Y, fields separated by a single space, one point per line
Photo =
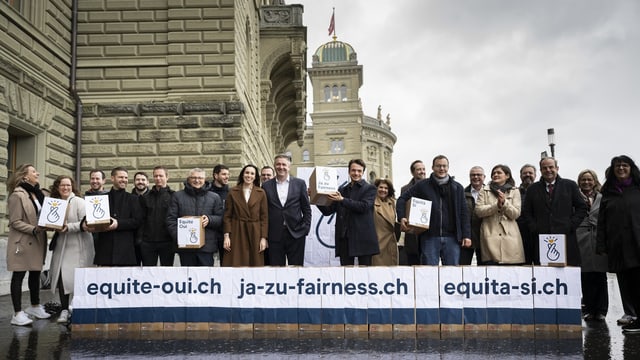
x=499 y=206
x=27 y=243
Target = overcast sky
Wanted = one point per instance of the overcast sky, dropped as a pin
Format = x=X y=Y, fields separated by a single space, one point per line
x=481 y=81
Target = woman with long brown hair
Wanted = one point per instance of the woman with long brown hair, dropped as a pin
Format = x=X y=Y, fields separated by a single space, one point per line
x=27 y=243
x=73 y=247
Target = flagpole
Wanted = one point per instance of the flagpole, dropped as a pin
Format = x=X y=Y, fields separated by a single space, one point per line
x=332 y=24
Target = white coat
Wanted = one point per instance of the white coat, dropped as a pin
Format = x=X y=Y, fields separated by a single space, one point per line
x=74 y=247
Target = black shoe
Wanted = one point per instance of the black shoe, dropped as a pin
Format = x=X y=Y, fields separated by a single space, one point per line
x=634 y=327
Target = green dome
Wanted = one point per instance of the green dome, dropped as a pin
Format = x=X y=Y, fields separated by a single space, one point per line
x=335 y=51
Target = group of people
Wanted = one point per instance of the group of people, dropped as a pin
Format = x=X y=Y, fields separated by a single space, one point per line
x=501 y=224
x=265 y=218
x=142 y=228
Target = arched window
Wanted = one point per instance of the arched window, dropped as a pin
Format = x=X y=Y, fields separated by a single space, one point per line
x=327 y=93
x=335 y=96
x=305 y=155
x=343 y=93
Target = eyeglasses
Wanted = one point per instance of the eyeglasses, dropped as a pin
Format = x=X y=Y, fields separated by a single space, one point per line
x=196 y=178
x=478 y=175
x=622 y=165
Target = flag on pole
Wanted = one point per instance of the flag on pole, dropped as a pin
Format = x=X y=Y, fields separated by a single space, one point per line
x=332 y=24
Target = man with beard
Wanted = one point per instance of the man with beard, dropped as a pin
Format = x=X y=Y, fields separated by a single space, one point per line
x=140 y=183
x=220 y=186
x=96 y=182
x=528 y=177
x=115 y=246
x=449 y=225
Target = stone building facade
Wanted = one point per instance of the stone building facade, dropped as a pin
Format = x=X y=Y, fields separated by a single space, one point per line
x=182 y=83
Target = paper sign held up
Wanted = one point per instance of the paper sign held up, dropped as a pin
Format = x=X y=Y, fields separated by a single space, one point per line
x=53 y=214
x=190 y=232
x=323 y=181
x=418 y=214
x=97 y=209
x=553 y=249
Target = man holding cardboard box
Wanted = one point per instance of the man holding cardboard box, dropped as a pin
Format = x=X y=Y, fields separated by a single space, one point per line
x=115 y=244
x=196 y=203
x=355 y=229
x=449 y=226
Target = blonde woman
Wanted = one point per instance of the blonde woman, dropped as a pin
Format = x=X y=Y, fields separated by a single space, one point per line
x=26 y=245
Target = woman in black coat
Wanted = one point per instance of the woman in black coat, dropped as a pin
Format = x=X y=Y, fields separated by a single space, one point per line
x=619 y=227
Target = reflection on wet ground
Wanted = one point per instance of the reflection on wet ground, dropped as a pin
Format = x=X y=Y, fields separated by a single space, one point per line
x=48 y=340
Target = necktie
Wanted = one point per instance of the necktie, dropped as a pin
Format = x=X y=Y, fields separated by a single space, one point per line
x=550 y=188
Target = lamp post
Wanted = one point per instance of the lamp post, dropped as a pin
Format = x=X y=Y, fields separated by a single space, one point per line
x=552 y=143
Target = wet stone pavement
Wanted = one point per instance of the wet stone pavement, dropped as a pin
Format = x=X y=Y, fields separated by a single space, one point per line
x=46 y=339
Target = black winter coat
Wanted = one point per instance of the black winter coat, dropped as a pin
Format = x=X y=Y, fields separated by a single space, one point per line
x=355 y=229
x=117 y=247
x=155 y=204
x=619 y=228
x=197 y=202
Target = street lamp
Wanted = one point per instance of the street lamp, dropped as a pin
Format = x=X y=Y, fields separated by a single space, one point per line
x=552 y=143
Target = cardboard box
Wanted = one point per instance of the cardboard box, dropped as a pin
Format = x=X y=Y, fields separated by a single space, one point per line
x=553 y=249
x=54 y=213
x=190 y=232
x=97 y=210
x=418 y=213
x=323 y=181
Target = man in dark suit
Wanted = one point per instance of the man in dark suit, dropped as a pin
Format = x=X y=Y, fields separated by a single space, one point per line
x=554 y=206
x=289 y=215
x=355 y=231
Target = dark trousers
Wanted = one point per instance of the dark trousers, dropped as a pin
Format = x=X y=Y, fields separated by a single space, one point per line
x=466 y=256
x=411 y=250
x=595 y=295
x=16 y=288
x=196 y=258
x=286 y=250
x=630 y=284
x=151 y=251
x=626 y=293
x=64 y=298
x=350 y=260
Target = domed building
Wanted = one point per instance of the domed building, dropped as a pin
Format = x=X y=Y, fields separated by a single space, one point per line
x=340 y=131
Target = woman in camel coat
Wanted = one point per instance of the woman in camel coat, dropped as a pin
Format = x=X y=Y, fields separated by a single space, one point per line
x=499 y=206
x=245 y=222
x=384 y=219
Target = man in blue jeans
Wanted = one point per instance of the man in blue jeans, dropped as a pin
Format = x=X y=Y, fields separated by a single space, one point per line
x=449 y=226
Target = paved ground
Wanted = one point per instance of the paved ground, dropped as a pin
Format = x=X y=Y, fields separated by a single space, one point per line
x=48 y=340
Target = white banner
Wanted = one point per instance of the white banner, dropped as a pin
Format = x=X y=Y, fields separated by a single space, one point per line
x=326 y=295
